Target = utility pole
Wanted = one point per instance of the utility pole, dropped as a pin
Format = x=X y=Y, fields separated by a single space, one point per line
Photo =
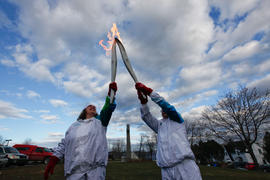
x=128 y=144
x=7 y=140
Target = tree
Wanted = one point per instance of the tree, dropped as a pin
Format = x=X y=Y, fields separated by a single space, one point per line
x=151 y=143
x=266 y=146
x=239 y=114
x=141 y=145
x=207 y=152
x=2 y=140
x=27 y=141
x=195 y=131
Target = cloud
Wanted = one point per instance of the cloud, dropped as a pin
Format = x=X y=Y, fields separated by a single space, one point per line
x=168 y=51
x=2 y=128
x=51 y=140
x=262 y=83
x=189 y=102
x=242 y=32
x=58 y=103
x=8 y=110
x=32 y=94
x=231 y=8
x=8 y=63
x=196 y=78
x=56 y=135
x=39 y=70
x=4 y=21
x=194 y=114
x=49 y=119
x=243 y=52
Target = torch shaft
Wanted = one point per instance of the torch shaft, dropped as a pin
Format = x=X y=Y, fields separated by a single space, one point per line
x=113 y=69
x=126 y=60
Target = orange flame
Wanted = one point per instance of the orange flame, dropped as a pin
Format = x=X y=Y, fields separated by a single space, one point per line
x=111 y=35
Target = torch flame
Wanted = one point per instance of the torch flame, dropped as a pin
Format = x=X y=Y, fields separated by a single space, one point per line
x=111 y=35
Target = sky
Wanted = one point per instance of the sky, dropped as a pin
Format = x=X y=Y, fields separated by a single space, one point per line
x=189 y=51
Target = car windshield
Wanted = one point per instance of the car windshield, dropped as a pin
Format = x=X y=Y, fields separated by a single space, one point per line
x=47 y=150
x=11 y=150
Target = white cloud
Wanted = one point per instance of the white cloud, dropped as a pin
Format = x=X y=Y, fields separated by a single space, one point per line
x=189 y=102
x=8 y=63
x=244 y=31
x=198 y=77
x=231 y=8
x=58 y=103
x=49 y=119
x=62 y=49
x=8 y=110
x=243 y=52
x=264 y=66
x=262 y=83
x=2 y=128
x=42 y=111
x=55 y=135
x=32 y=94
x=194 y=114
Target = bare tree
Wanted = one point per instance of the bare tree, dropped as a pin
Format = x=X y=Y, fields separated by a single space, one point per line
x=118 y=145
x=196 y=131
x=151 y=142
x=240 y=114
x=27 y=141
x=141 y=146
x=2 y=140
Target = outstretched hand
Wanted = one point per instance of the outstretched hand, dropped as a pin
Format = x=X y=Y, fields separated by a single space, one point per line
x=144 y=89
x=112 y=86
x=142 y=97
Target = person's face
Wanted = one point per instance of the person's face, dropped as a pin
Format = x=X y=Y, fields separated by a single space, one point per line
x=91 y=110
x=164 y=115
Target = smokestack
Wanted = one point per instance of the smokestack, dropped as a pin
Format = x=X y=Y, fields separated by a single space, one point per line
x=128 y=144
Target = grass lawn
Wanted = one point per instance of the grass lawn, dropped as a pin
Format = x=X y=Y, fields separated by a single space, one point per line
x=130 y=171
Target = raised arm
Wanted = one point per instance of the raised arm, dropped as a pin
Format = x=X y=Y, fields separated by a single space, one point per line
x=108 y=108
x=147 y=117
x=165 y=106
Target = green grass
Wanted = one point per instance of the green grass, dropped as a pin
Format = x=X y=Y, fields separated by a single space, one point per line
x=130 y=171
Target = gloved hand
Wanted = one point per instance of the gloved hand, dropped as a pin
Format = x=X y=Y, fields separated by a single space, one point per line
x=142 y=98
x=112 y=86
x=143 y=88
x=50 y=166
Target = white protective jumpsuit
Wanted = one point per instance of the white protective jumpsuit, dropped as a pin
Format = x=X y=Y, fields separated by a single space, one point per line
x=174 y=154
x=84 y=147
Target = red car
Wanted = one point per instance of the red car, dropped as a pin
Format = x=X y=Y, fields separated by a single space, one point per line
x=34 y=153
x=250 y=166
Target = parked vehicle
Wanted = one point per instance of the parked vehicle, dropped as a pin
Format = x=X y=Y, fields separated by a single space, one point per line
x=265 y=167
x=13 y=155
x=3 y=158
x=34 y=153
x=250 y=166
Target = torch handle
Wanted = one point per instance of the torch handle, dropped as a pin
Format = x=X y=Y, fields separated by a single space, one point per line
x=113 y=70
x=112 y=96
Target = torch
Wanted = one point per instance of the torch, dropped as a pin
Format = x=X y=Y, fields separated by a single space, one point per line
x=113 y=69
x=126 y=60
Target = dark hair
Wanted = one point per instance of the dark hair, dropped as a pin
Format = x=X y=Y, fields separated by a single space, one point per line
x=82 y=114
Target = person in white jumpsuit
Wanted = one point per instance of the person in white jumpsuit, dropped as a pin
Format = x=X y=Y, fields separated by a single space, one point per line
x=174 y=155
x=84 y=147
